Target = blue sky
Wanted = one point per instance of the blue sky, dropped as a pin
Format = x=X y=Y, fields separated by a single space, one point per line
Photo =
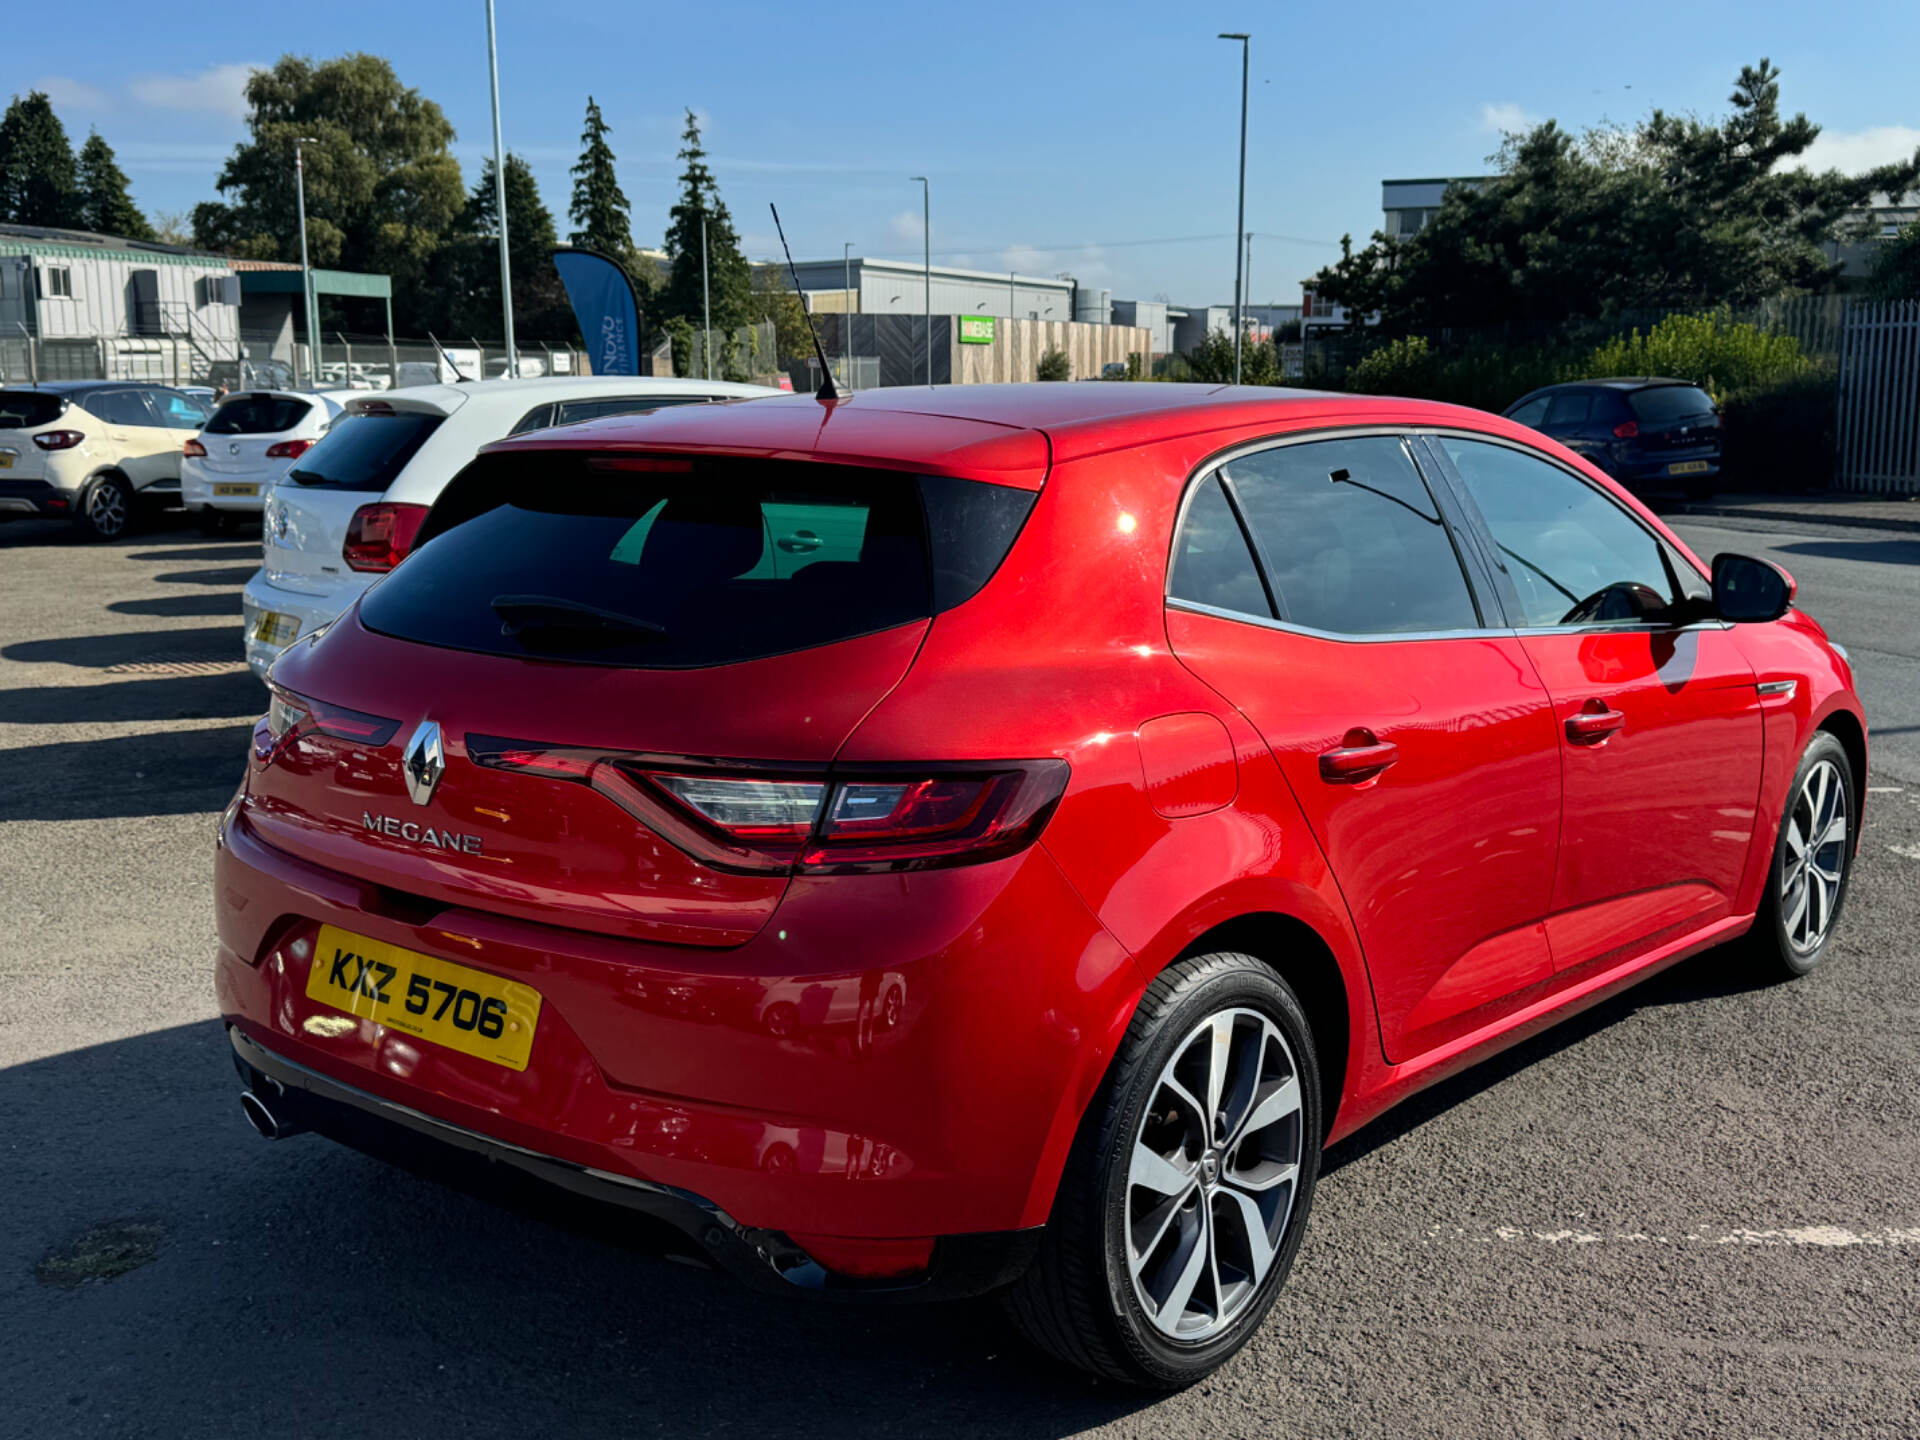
x=1095 y=139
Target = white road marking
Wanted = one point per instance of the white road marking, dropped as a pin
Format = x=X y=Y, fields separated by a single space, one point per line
x=1906 y=852
x=1819 y=1236
x=1886 y=790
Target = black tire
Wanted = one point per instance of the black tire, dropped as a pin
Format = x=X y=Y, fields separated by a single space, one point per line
x=1078 y=1300
x=1778 y=940
x=104 y=509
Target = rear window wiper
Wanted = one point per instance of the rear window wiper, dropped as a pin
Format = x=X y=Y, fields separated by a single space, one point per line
x=555 y=612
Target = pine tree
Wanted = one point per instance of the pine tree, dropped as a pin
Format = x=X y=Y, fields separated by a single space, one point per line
x=37 y=184
x=540 y=309
x=599 y=207
x=104 y=205
x=729 y=279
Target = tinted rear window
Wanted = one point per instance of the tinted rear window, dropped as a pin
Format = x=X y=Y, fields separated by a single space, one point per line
x=364 y=452
x=29 y=409
x=548 y=554
x=1669 y=402
x=258 y=415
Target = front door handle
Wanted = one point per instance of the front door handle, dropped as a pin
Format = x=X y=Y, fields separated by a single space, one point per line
x=1594 y=723
x=1359 y=756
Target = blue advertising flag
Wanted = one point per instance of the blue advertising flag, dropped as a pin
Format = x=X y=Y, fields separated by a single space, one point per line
x=604 y=303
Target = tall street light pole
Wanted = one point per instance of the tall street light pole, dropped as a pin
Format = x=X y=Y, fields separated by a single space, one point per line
x=926 y=230
x=500 y=199
x=706 y=295
x=846 y=312
x=307 y=316
x=1240 y=227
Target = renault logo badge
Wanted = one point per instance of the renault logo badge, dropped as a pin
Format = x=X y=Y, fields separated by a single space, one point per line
x=423 y=762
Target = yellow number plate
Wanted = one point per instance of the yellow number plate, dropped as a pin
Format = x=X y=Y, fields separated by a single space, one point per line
x=236 y=489
x=463 y=1009
x=273 y=628
x=1688 y=467
x=6 y=460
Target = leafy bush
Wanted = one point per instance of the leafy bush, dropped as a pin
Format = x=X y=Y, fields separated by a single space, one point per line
x=1406 y=366
x=1782 y=436
x=1054 y=365
x=1484 y=374
x=1722 y=357
x=1212 y=360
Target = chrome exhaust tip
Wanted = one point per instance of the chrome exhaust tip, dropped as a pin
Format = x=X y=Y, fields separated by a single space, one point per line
x=266 y=1124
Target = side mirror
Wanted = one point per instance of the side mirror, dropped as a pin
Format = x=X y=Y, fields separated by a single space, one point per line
x=1746 y=590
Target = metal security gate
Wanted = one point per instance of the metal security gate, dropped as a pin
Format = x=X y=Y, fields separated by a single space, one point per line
x=1880 y=399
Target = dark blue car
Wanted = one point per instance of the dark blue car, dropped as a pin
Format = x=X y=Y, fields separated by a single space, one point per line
x=1651 y=435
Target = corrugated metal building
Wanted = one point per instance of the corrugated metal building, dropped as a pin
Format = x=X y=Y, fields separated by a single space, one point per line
x=899 y=287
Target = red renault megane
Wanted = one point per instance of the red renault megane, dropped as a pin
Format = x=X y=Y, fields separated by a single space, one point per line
x=955 y=840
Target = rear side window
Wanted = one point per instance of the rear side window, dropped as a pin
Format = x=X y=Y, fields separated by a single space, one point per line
x=707 y=563
x=572 y=412
x=258 y=415
x=1570 y=407
x=1669 y=402
x=1211 y=562
x=1353 y=541
x=119 y=407
x=364 y=452
x=29 y=409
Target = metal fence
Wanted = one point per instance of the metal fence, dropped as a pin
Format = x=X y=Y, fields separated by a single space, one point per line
x=1880 y=399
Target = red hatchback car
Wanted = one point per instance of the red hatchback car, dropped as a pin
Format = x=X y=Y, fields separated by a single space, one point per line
x=994 y=838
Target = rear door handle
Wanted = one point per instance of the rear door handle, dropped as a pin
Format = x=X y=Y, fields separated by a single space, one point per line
x=1594 y=724
x=1361 y=758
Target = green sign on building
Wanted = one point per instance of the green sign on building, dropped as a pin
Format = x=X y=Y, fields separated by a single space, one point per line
x=976 y=329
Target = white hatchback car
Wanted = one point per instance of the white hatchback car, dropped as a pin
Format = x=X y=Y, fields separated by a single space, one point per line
x=346 y=511
x=252 y=440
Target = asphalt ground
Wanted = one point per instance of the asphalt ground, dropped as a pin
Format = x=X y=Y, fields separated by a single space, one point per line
x=1692 y=1211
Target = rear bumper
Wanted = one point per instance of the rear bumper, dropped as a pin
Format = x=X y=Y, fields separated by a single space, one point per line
x=892 y=1057
x=310 y=611
x=197 y=490
x=962 y=1265
x=33 y=497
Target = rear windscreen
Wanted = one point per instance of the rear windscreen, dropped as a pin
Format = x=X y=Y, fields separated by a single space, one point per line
x=29 y=409
x=258 y=415
x=553 y=555
x=364 y=452
x=1669 y=402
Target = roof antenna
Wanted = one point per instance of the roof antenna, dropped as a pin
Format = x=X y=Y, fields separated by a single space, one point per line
x=448 y=358
x=827 y=390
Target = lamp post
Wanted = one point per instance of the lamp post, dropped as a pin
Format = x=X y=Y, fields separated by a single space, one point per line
x=926 y=232
x=706 y=295
x=307 y=317
x=1240 y=226
x=500 y=200
x=846 y=311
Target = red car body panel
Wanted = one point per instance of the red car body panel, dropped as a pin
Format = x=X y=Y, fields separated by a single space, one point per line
x=911 y=1054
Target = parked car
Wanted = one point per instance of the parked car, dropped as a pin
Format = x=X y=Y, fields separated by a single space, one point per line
x=251 y=441
x=95 y=452
x=345 y=512
x=1651 y=435
x=1181 y=778
x=262 y=374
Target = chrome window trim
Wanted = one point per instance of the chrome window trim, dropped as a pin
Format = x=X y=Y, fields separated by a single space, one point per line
x=1560 y=465
x=1212 y=466
x=1196 y=607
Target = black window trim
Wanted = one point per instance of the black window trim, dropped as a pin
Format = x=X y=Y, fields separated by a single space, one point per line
x=1450 y=521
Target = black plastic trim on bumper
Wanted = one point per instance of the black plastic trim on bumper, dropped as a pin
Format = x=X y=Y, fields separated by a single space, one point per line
x=963 y=1265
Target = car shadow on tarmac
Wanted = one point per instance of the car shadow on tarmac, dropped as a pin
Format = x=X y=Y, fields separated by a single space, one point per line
x=174 y=772
x=173 y=697
x=212 y=643
x=300 y=1288
x=175 y=607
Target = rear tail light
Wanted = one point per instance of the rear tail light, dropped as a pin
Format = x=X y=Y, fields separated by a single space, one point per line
x=290 y=716
x=194 y=448
x=1627 y=430
x=58 y=439
x=380 y=535
x=858 y=820
x=287 y=449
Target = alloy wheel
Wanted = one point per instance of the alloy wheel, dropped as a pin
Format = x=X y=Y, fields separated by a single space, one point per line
x=1815 y=862
x=1213 y=1174
x=107 y=509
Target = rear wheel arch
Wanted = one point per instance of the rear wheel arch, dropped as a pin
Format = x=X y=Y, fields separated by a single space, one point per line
x=1297 y=953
